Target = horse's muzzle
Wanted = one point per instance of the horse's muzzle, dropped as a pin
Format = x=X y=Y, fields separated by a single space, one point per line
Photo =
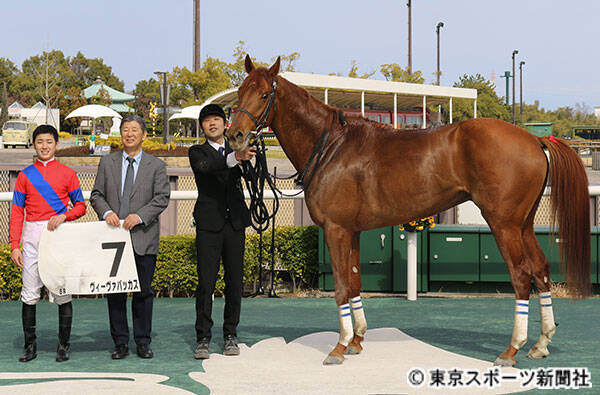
x=238 y=141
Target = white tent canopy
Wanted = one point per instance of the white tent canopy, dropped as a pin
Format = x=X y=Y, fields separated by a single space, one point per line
x=190 y=112
x=94 y=111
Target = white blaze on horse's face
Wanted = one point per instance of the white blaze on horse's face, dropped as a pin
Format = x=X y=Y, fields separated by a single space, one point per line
x=253 y=100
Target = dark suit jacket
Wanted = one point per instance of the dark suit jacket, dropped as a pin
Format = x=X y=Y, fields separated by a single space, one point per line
x=219 y=189
x=149 y=197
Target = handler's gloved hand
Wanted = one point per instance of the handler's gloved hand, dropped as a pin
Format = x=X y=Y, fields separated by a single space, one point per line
x=246 y=154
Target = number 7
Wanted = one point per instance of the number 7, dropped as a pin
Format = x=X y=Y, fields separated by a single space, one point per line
x=120 y=246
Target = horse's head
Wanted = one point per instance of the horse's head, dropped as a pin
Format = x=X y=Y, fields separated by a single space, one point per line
x=256 y=104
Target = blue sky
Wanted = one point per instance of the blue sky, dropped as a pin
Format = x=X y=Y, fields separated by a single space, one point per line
x=136 y=37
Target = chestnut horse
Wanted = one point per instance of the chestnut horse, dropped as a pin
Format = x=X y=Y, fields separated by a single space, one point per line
x=371 y=175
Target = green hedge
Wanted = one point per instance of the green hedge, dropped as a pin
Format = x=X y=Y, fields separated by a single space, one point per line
x=175 y=275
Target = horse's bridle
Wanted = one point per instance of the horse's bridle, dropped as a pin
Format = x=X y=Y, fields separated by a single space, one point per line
x=262 y=122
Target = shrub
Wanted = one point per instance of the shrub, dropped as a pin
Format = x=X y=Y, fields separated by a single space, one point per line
x=10 y=275
x=175 y=274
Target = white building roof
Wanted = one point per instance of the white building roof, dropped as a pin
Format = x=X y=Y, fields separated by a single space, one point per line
x=346 y=92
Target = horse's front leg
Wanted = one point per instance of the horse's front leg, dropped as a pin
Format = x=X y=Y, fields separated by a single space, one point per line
x=339 y=241
x=358 y=312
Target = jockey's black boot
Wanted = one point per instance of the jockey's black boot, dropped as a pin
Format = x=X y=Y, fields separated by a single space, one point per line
x=28 y=317
x=65 y=317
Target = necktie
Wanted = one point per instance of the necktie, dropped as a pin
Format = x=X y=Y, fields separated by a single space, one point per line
x=222 y=151
x=127 y=187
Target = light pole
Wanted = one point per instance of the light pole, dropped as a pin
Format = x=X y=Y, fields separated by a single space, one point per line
x=521 y=91
x=409 y=68
x=196 y=35
x=437 y=29
x=513 y=86
x=165 y=101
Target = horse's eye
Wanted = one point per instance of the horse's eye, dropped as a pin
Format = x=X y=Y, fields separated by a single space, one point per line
x=264 y=96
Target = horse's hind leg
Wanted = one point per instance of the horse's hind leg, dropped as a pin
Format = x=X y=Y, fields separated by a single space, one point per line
x=511 y=246
x=339 y=241
x=360 y=321
x=541 y=274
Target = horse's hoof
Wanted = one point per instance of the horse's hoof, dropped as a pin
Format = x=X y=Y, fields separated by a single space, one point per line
x=333 y=360
x=504 y=362
x=537 y=352
x=353 y=350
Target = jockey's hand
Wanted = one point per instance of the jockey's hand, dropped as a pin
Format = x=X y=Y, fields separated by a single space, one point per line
x=17 y=257
x=131 y=221
x=246 y=154
x=55 y=221
x=113 y=220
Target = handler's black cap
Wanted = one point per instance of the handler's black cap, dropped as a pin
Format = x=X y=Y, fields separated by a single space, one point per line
x=212 y=109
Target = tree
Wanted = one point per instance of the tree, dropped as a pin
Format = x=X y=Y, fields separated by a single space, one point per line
x=237 y=70
x=72 y=100
x=86 y=70
x=7 y=73
x=42 y=77
x=394 y=72
x=4 y=105
x=354 y=71
x=188 y=87
x=489 y=105
x=146 y=91
x=287 y=61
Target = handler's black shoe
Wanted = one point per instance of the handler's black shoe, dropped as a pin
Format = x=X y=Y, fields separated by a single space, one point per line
x=201 y=351
x=63 y=352
x=144 y=351
x=29 y=353
x=230 y=346
x=120 y=352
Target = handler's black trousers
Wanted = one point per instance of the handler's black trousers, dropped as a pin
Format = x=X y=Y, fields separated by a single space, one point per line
x=212 y=246
x=141 y=306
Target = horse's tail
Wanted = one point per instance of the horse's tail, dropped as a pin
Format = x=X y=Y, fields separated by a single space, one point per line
x=571 y=210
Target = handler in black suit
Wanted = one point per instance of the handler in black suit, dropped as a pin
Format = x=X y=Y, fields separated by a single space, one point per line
x=221 y=217
x=133 y=186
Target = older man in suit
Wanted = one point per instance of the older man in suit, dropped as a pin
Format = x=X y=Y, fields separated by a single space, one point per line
x=133 y=186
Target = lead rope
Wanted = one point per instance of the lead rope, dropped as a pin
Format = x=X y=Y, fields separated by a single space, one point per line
x=255 y=177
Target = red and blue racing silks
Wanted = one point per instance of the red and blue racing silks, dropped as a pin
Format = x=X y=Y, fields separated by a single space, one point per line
x=43 y=191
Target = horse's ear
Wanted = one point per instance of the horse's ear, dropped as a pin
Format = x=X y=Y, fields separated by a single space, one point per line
x=274 y=70
x=249 y=65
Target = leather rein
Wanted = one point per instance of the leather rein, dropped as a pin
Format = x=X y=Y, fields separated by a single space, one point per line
x=256 y=176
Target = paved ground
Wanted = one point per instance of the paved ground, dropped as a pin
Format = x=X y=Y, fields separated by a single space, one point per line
x=286 y=340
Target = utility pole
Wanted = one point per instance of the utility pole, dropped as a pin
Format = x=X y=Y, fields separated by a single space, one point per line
x=196 y=35
x=521 y=91
x=437 y=29
x=513 y=87
x=507 y=76
x=409 y=67
x=164 y=95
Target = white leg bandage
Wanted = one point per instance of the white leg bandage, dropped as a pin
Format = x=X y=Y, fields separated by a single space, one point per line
x=519 y=337
x=360 y=322
x=345 y=325
x=547 y=317
x=546 y=312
